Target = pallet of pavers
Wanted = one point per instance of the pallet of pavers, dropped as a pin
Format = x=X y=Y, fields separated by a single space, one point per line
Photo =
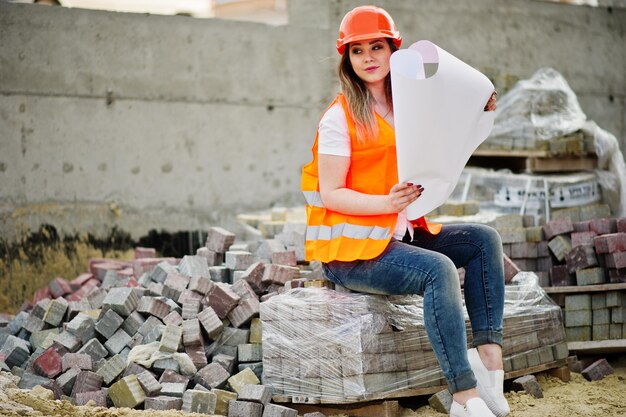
x=322 y=346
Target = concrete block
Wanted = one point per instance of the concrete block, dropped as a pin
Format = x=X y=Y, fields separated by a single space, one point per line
x=578 y=334
x=534 y=234
x=560 y=246
x=249 y=352
x=510 y=269
x=86 y=381
x=174 y=284
x=211 y=323
x=191 y=332
x=165 y=364
x=197 y=355
x=112 y=369
x=609 y=243
x=194 y=266
x=601 y=316
x=245 y=377
x=191 y=308
x=615 y=331
x=222 y=400
x=30 y=381
x=212 y=376
x=160 y=271
x=244 y=311
x=173 y=389
x=68 y=340
x=597 y=370
x=99 y=398
x=615 y=298
x=121 y=300
x=244 y=409
x=200 y=284
x=560 y=276
x=163 y=403
x=133 y=322
x=275 y=410
x=278 y=274
x=578 y=318
x=616 y=260
x=234 y=337
x=600 y=332
x=617 y=275
x=149 y=324
x=575 y=302
x=55 y=312
x=441 y=401
x=219 y=239
x=67 y=379
x=212 y=258
x=117 y=342
x=220 y=274
x=256 y=367
x=557 y=227
x=523 y=250
x=603 y=226
x=222 y=299
x=590 y=276
x=76 y=360
x=598 y=301
x=94 y=349
x=48 y=364
x=580 y=257
x=618 y=315
x=149 y=384
x=528 y=384
x=173 y=319
x=227 y=361
x=108 y=323
x=256 y=330
x=254 y=276
x=196 y=401
x=127 y=392
x=583 y=239
x=170 y=376
x=239 y=260
x=171 y=338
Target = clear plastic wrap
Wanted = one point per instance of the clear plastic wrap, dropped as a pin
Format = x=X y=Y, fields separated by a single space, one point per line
x=534 y=111
x=502 y=192
x=612 y=172
x=325 y=346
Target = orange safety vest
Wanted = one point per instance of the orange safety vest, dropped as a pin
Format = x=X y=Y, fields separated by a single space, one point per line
x=333 y=236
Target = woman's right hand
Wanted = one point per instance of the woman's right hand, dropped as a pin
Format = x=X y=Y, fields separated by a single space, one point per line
x=403 y=194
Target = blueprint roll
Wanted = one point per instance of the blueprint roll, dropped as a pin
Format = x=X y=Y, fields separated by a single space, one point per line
x=439 y=120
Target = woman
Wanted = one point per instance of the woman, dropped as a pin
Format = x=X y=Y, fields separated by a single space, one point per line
x=358 y=229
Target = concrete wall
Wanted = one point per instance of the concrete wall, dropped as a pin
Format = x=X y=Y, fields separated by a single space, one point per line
x=154 y=122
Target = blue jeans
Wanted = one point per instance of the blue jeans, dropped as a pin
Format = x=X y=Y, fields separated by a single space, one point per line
x=428 y=266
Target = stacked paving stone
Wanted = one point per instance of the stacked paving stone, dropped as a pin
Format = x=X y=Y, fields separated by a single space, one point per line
x=580 y=246
x=595 y=316
x=158 y=333
x=327 y=346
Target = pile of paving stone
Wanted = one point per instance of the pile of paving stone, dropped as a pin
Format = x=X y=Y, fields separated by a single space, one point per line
x=158 y=333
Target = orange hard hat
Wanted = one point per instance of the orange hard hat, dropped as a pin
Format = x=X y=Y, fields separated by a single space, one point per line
x=366 y=22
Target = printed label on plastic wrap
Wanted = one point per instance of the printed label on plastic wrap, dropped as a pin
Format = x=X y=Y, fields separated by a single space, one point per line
x=560 y=195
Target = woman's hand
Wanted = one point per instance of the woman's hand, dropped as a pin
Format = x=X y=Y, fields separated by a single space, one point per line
x=491 y=104
x=403 y=194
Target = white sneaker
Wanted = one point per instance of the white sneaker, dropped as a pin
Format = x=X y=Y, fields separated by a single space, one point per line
x=490 y=385
x=474 y=407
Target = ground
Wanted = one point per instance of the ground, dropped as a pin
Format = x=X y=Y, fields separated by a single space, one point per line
x=577 y=398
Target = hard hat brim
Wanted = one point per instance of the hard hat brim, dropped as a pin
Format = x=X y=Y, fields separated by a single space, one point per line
x=342 y=43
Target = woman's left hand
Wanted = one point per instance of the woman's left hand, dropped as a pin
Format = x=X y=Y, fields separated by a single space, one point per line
x=491 y=104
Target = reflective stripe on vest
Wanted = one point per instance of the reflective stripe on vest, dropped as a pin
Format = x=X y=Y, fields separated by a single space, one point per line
x=347 y=230
x=313 y=198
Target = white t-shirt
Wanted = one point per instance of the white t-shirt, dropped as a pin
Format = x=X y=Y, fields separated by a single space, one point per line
x=334 y=139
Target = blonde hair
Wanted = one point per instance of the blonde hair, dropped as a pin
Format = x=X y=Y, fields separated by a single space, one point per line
x=360 y=100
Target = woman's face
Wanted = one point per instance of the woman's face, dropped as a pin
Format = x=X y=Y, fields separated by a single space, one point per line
x=370 y=59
